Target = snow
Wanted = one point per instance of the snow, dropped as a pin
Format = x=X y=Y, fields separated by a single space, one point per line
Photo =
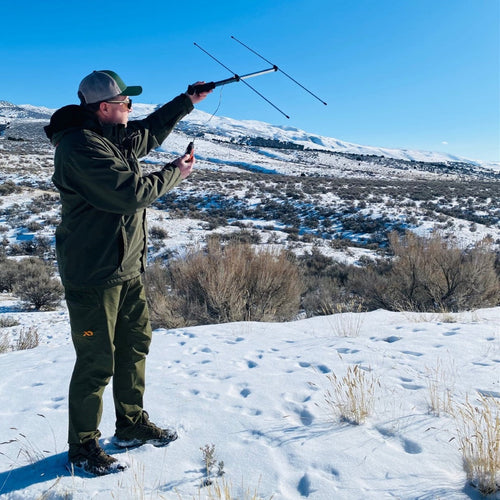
x=257 y=392
x=231 y=128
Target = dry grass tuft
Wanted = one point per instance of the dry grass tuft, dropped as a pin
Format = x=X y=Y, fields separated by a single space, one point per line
x=347 y=320
x=478 y=428
x=225 y=491
x=440 y=382
x=352 y=396
x=4 y=343
x=28 y=339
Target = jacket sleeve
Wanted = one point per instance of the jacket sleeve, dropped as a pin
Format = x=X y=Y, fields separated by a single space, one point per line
x=157 y=126
x=105 y=181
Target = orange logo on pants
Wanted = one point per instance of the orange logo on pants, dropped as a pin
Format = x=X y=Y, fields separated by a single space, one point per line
x=88 y=333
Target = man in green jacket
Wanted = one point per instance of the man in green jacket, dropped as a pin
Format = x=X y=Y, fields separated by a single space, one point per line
x=101 y=247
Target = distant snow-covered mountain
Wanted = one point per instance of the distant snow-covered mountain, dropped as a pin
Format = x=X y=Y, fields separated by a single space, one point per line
x=9 y=111
x=231 y=130
x=236 y=129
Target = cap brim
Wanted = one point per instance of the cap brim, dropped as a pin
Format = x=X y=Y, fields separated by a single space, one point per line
x=134 y=90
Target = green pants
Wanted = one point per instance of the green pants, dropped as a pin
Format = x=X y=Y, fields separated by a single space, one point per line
x=111 y=334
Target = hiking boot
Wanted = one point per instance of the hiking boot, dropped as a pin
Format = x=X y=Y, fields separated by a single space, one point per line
x=143 y=432
x=89 y=457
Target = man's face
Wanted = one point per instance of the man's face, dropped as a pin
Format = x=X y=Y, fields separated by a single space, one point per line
x=115 y=111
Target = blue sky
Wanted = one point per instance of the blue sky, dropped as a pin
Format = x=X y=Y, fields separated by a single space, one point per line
x=414 y=74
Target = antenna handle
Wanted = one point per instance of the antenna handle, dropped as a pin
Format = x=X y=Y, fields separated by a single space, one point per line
x=202 y=87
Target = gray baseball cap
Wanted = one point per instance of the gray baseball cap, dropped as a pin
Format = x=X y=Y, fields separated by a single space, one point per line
x=104 y=84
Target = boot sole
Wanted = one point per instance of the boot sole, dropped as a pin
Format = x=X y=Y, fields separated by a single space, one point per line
x=135 y=443
x=78 y=470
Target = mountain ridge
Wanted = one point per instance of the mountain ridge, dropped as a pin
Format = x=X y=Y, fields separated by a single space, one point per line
x=200 y=123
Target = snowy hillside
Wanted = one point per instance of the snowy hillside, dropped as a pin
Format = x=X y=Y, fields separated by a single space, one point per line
x=231 y=129
x=247 y=131
x=290 y=188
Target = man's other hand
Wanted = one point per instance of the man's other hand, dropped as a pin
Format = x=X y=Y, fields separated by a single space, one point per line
x=185 y=164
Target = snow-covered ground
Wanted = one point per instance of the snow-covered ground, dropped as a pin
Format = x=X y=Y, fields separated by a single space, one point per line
x=256 y=391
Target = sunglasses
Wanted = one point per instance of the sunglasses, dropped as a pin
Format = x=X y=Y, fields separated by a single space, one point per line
x=127 y=101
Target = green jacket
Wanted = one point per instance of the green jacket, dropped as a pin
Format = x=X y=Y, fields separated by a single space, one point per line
x=102 y=237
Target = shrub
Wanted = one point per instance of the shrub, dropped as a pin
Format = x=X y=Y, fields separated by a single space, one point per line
x=8 y=274
x=430 y=274
x=7 y=322
x=158 y=233
x=165 y=308
x=39 y=246
x=213 y=467
x=232 y=283
x=243 y=236
x=322 y=296
x=35 y=286
x=325 y=282
x=9 y=187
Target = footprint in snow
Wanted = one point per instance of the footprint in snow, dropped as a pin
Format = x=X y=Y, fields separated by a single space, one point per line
x=56 y=402
x=305 y=416
x=409 y=446
x=412 y=387
x=413 y=353
x=392 y=339
x=254 y=412
x=323 y=369
x=489 y=394
x=304 y=486
x=245 y=392
x=347 y=350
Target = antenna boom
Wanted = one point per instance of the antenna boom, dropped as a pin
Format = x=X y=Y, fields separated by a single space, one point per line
x=206 y=87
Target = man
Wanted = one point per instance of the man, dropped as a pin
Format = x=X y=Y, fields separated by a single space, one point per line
x=101 y=250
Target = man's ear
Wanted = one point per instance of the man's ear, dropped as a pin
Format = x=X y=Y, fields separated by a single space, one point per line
x=103 y=109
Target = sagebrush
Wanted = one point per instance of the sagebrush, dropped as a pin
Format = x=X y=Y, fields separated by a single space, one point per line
x=32 y=280
x=431 y=275
x=225 y=283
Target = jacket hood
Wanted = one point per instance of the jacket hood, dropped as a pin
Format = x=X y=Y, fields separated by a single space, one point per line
x=70 y=117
